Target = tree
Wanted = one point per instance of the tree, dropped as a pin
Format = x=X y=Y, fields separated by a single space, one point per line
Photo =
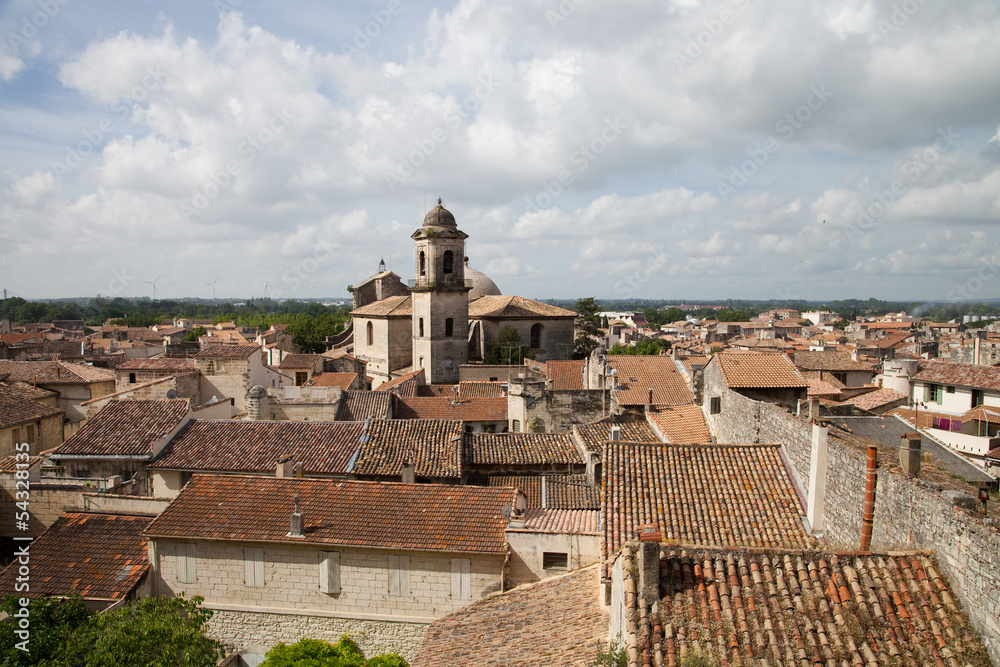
x=588 y=327
x=646 y=346
x=195 y=335
x=52 y=621
x=317 y=653
x=728 y=315
x=508 y=350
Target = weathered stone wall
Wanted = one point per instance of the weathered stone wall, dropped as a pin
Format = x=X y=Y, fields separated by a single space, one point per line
x=553 y=410
x=528 y=549
x=45 y=504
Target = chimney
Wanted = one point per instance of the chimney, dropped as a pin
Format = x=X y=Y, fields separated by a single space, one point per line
x=285 y=466
x=298 y=470
x=409 y=470
x=909 y=453
x=298 y=523
x=649 y=400
x=868 y=520
x=816 y=510
x=813 y=409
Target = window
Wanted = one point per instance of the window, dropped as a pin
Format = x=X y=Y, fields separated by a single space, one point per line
x=461 y=578
x=30 y=437
x=421 y=264
x=978 y=397
x=448 y=262
x=371 y=334
x=715 y=405
x=449 y=327
x=535 y=337
x=949 y=390
x=399 y=576
x=301 y=377
x=420 y=327
x=555 y=560
x=253 y=559
x=421 y=362
x=329 y=572
x=517 y=425
x=186 y=556
x=841 y=377
x=933 y=393
x=131 y=378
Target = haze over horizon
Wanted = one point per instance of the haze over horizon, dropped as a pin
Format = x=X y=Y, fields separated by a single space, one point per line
x=731 y=149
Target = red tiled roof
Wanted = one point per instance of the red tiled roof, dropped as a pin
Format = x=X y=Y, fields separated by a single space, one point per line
x=962 y=375
x=575 y=522
x=514 y=307
x=293 y=361
x=829 y=361
x=366 y=514
x=480 y=389
x=393 y=306
x=566 y=374
x=17 y=408
x=100 y=556
x=323 y=448
x=710 y=495
x=342 y=380
x=126 y=428
x=751 y=370
x=158 y=364
x=54 y=372
x=520 y=449
x=876 y=399
x=404 y=385
x=552 y=491
x=228 y=352
x=436 y=447
x=10 y=463
x=595 y=435
x=638 y=373
x=357 y=406
x=822 y=389
x=442 y=407
x=682 y=423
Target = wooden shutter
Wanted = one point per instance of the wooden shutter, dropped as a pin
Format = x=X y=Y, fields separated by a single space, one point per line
x=254 y=561
x=329 y=572
x=186 y=572
x=461 y=578
x=399 y=575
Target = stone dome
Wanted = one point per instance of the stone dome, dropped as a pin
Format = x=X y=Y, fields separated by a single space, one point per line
x=482 y=285
x=440 y=217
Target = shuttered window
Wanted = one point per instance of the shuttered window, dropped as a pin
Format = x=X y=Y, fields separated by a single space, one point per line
x=399 y=575
x=461 y=578
x=186 y=573
x=329 y=572
x=254 y=561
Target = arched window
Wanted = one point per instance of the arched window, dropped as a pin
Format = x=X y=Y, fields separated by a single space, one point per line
x=421 y=264
x=371 y=334
x=448 y=262
x=420 y=327
x=535 y=339
x=449 y=327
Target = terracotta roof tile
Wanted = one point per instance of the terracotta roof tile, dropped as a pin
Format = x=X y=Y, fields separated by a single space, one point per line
x=404 y=385
x=358 y=406
x=823 y=389
x=638 y=373
x=962 y=375
x=514 y=307
x=158 y=364
x=126 y=428
x=520 y=449
x=17 y=407
x=10 y=463
x=393 y=306
x=342 y=380
x=370 y=514
x=96 y=555
x=575 y=522
x=228 y=352
x=752 y=370
x=436 y=447
x=493 y=409
x=829 y=361
x=293 y=361
x=876 y=399
x=323 y=448
x=54 y=372
x=480 y=389
x=682 y=423
x=595 y=435
x=566 y=374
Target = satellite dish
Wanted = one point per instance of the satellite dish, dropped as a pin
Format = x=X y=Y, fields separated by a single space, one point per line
x=172 y=393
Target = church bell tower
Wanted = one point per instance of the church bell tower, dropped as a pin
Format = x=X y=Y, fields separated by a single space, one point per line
x=440 y=298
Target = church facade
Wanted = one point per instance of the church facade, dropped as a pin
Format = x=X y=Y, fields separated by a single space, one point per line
x=448 y=315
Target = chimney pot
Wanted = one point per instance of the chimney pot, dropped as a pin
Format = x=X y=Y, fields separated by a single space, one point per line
x=297 y=526
x=909 y=453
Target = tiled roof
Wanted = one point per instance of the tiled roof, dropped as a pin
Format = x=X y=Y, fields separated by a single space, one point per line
x=807 y=609
x=983 y=413
x=323 y=448
x=342 y=380
x=514 y=307
x=552 y=491
x=370 y=514
x=962 y=375
x=876 y=399
x=576 y=522
x=126 y=428
x=493 y=409
x=889 y=431
x=404 y=385
x=480 y=389
x=682 y=423
x=436 y=447
x=10 y=463
x=711 y=495
x=565 y=374
x=54 y=372
x=891 y=340
x=822 y=388
x=520 y=449
x=557 y=621
x=293 y=361
x=157 y=364
x=595 y=435
x=228 y=352
x=393 y=306
x=26 y=390
x=751 y=370
x=17 y=408
x=829 y=361
x=638 y=373
x=356 y=406
x=96 y=555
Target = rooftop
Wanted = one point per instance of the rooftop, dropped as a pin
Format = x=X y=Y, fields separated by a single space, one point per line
x=595 y=435
x=493 y=409
x=342 y=380
x=962 y=375
x=682 y=423
x=520 y=449
x=752 y=370
x=126 y=428
x=362 y=405
x=514 y=307
x=53 y=372
x=877 y=399
x=567 y=374
x=293 y=361
x=393 y=306
x=552 y=491
x=829 y=361
x=228 y=352
x=19 y=406
x=637 y=374
x=435 y=445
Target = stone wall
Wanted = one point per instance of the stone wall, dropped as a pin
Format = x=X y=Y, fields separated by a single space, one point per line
x=909 y=514
x=553 y=410
x=46 y=504
x=528 y=549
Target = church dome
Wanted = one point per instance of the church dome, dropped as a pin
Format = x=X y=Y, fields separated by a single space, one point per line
x=440 y=217
x=482 y=285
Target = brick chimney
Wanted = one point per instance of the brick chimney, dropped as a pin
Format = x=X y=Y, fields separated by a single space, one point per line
x=909 y=453
x=285 y=467
x=871 y=481
x=298 y=523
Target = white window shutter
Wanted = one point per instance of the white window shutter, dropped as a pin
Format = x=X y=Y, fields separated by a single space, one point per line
x=461 y=571
x=399 y=575
x=329 y=572
x=254 y=561
x=186 y=572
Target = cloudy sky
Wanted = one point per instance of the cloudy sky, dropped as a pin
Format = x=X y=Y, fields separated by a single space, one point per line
x=673 y=149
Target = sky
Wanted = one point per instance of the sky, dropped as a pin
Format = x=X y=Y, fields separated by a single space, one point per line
x=634 y=149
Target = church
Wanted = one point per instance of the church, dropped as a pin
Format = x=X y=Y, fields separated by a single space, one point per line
x=448 y=314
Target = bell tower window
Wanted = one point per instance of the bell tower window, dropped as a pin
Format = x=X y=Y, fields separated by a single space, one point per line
x=420 y=327
x=422 y=264
x=449 y=327
x=448 y=262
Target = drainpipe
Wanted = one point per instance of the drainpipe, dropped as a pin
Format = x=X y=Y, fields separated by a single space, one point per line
x=869 y=515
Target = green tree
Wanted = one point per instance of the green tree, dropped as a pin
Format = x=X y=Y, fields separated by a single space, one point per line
x=728 y=315
x=317 y=653
x=194 y=335
x=646 y=346
x=508 y=350
x=52 y=622
x=588 y=327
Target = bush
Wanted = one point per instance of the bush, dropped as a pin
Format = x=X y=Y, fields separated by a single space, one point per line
x=318 y=653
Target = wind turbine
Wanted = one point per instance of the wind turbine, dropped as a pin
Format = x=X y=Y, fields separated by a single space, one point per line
x=310 y=289
x=265 y=289
x=153 y=285
x=212 y=285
